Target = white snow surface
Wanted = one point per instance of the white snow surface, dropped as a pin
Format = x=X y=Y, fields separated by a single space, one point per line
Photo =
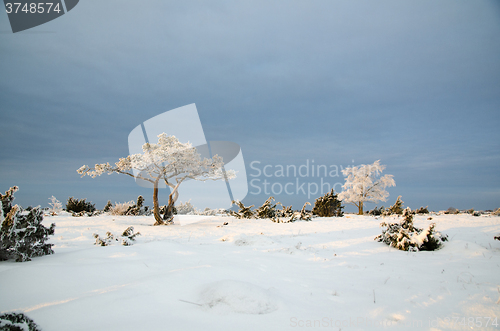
x=327 y=274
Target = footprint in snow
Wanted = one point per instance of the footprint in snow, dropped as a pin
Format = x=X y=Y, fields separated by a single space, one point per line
x=231 y=296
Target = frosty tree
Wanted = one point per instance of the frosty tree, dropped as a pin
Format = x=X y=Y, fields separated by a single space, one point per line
x=168 y=160
x=363 y=184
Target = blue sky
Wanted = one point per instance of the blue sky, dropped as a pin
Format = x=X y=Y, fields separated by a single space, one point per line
x=415 y=84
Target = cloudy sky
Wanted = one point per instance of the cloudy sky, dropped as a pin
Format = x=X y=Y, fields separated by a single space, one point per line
x=415 y=84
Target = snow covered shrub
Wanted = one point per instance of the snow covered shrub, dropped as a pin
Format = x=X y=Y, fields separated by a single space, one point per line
x=138 y=208
x=121 y=208
x=211 y=212
x=452 y=210
x=287 y=215
x=377 y=211
x=267 y=210
x=244 y=212
x=305 y=215
x=405 y=236
x=104 y=241
x=163 y=210
x=56 y=205
x=17 y=322
x=6 y=200
x=108 y=207
x=422 y=210
x=474 y=212
x=285 y=211
x=79 y=207
x=396 y=208
x=130 y=208
x=127 y=238
x=22 y=235
x=496 y=212
x=328 y=206
x=185 y=208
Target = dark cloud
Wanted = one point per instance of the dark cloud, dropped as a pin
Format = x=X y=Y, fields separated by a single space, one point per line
x=414 y=84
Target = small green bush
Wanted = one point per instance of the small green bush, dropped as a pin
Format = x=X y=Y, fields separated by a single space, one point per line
x=396 y=208
x=78 y=206
x=422 y=210
x=328 y=206
x=377 y=211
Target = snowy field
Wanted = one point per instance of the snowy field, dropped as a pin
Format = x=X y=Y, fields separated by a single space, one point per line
x=327 y=274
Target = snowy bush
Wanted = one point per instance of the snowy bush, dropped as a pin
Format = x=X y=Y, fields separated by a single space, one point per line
x=405 y=236
x=185 y=208
x=287 y=215
x=305 y=215
x=56 y=205
x=328 y=206
x=422 y=210
x=108 y=207
x=138 y=208
x=80 y=207
x=17 y=322
x=121 y=208
x=243 y=212
x=267 y=210
x=106 y=241
x=270 y=211
x=377 y=211
x=130 y=208
x=22 y=235
x=474 y=212
x=127 y=238
x=396 y=208
x=212 y=212
x=452 y=210
x=496 y=212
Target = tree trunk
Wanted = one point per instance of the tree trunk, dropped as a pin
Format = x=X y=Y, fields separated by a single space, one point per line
x=360 y=208
x=168 y=217
x=156 y=208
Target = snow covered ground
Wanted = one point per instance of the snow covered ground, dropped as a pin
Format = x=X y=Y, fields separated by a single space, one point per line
x=327 y=274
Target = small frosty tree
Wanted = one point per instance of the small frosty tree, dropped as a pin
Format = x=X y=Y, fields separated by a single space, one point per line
x=363 y=185
x=168 y=160
x=56 y=205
